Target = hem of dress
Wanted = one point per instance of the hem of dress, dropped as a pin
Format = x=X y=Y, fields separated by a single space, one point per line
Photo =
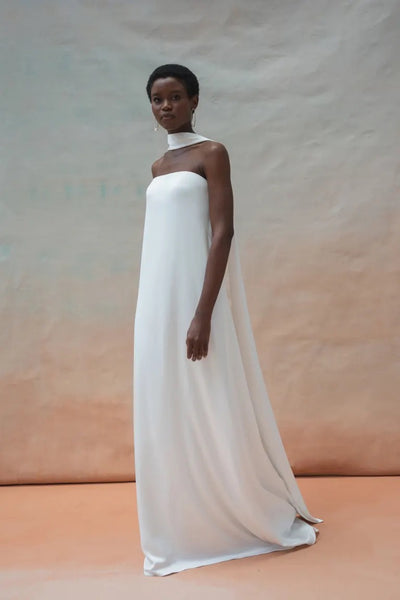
x=307 y=516
x=217 y=559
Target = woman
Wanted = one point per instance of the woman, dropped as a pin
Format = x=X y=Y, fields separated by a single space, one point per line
x=212 y=477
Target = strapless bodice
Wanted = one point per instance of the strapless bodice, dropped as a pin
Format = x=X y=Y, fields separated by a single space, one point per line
x=181 y=188
x=176 y=173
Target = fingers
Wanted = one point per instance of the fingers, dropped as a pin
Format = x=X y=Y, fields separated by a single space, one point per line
x=189 y=349
x=196 y=351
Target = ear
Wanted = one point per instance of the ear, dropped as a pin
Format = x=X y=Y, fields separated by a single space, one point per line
x=194 y=101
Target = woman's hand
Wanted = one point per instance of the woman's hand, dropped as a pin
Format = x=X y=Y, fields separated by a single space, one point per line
x=198 y=336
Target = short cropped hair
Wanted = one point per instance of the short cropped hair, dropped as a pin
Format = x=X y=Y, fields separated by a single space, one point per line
x=183 y=74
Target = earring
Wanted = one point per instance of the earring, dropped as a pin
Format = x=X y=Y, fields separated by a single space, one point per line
x=193 y=118
x=156 y=125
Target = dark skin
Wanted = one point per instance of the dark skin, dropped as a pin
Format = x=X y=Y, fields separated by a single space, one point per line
x=173 y=109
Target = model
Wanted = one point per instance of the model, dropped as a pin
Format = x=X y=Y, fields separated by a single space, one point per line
x=213 y=480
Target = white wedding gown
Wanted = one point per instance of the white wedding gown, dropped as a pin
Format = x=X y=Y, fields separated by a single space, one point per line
x=213 y=481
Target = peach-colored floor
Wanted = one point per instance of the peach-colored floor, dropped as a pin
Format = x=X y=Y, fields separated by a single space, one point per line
x=81 y=541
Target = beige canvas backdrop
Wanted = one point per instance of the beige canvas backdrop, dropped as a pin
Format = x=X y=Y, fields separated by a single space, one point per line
x=306 y=96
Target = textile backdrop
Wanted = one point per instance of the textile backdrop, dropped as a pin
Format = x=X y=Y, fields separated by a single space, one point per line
x=306 y=97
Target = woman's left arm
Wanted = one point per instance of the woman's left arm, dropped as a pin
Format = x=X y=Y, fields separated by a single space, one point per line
x=217 y=171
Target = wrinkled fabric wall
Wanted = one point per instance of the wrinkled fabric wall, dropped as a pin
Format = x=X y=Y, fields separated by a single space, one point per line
x=305 y=95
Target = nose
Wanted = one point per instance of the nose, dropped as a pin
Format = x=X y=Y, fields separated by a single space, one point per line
x=165 y=104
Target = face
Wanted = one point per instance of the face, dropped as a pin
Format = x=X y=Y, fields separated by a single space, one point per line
x=171 y=106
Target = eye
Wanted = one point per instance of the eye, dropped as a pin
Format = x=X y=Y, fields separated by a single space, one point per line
x=176 y=97
x=156 y=100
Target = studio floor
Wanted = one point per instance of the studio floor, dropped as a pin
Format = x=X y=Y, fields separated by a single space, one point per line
x=81 y=541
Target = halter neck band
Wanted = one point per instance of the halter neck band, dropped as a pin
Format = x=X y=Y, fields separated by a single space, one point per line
x=184 y=138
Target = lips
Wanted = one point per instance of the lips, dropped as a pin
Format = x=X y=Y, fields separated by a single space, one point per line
x=167 y=116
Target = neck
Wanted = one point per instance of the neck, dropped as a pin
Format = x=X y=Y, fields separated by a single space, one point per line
x=179 y=139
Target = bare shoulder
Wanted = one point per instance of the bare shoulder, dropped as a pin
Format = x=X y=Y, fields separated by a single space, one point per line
x=216 y=157
x=155 y=166
x=215 y=148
